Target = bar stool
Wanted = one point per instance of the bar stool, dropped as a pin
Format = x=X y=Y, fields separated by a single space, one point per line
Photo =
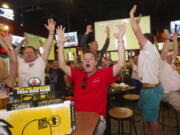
x=132 y=99
x=122 y=114
x=166 y=106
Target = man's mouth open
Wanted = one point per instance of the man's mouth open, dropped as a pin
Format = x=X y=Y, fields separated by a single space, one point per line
x=87 y=65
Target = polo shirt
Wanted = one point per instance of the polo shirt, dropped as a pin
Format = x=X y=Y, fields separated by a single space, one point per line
x=93 y=98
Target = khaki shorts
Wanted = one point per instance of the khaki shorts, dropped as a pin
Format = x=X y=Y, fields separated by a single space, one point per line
x=173 y=98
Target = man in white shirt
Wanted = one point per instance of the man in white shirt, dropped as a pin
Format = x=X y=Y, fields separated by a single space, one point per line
x=148 y=72
x=169 y=77
x=31 y=67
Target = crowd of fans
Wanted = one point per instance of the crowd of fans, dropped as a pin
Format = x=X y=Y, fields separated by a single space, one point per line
x=153 y=72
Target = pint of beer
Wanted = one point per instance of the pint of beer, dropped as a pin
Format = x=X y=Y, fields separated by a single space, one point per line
x=4 y=102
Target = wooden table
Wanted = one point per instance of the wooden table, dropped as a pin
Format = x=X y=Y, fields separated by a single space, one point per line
x=119 y=89
x=85 y=123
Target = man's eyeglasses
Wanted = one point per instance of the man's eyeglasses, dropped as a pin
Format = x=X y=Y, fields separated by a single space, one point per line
x=83 y=85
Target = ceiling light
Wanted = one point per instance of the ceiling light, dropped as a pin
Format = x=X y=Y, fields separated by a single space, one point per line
x=6 y=27
x=5 y=5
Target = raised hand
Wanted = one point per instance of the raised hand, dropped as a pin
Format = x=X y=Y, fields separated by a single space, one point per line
x=60 y=33
x=138 y=19
x=6 y=41
x=89 y=29
x=51 y=25
x=174 y=37
x=107 y=31
x=133 y=10
x=120 y=32
x=7 y=38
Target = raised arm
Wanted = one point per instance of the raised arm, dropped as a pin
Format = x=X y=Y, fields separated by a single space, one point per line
x=83 y=44
x=106 y=44
x=135 y=27
x=61 y=60
x=121 y=62
x=164 y=52
x=13 y=59
x=175 y=45
x=50 y=27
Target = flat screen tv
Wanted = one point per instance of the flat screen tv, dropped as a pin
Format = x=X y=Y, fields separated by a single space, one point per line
x=73 y=39
x=16 y=40
x=175 y=27
x=129 y=37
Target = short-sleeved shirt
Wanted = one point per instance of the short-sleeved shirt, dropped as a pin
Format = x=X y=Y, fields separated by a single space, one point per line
x=149 y=64
x=29 y=70
x=94 y=97
x=169 y=78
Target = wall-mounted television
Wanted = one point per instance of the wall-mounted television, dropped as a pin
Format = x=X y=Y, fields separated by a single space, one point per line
x=175 y=27
x=73 y=41
x=38 y=41
x=16 y=40
x=129 y=37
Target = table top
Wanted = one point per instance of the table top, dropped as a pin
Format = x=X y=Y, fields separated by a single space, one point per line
x=118 y=89
x=85 y=123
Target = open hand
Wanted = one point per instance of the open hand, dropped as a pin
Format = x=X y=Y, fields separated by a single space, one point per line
x=5 y=41
x=138 y=19
x=89 y=29
x=120 y=32
x=174 y=37
x=133 y=10
x=7 y=38
x=60 y=33
x=51 y=25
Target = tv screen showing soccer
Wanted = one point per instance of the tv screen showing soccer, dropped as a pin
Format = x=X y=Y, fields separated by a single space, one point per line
x=129 y=37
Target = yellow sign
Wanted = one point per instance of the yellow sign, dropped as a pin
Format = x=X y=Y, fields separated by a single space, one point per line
x=55 y=119
x=32 y=93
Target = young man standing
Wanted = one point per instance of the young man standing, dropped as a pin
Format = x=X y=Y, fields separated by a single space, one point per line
x=148 y=72
x=30 y=65
x=91 y=85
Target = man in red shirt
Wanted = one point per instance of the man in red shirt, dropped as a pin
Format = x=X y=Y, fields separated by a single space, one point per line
x=91 y=85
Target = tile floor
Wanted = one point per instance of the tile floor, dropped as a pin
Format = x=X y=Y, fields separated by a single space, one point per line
x=169 y=122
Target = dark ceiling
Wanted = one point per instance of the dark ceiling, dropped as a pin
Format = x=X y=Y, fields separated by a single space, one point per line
x=76 y=14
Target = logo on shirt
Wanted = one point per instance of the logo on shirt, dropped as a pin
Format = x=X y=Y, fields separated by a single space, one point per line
x=96 y=81
x=34 y=81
